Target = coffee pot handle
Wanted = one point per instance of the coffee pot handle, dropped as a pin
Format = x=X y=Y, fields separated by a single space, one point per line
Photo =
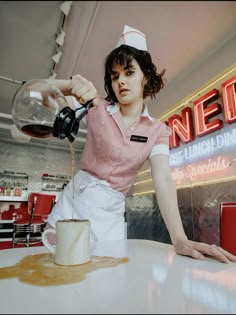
x=50 y=247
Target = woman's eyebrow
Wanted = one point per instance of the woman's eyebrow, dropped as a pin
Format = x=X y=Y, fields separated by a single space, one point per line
x=113 y=72
x=130 y=66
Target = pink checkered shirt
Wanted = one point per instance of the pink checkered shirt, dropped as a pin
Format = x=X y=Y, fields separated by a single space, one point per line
x=110 y=155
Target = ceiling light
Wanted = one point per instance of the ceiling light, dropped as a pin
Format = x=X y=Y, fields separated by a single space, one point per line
x=53 y=76
x=60 y=38
x=57 y=57
x=65 y=7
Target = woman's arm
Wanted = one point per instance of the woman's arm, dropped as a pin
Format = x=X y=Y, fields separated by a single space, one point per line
x=167 y=196
x=167 y=199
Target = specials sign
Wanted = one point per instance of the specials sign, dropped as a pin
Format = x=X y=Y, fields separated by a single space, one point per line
x=203 y=140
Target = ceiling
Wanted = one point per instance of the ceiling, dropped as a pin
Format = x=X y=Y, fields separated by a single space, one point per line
x=179 y=36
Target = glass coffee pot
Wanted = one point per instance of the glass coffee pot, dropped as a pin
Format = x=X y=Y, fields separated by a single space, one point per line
x=40 y=110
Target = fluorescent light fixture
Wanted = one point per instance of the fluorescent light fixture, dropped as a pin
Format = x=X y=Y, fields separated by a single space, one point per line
x=53 y=76
x=60 y=38
x=65 y=7
x=57 y=57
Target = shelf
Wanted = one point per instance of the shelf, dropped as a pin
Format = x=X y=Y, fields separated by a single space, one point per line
x=57 y=179
x=14 y=175
x=9 y=181
x=6 y=240
x=13 y=198
x=48 y=189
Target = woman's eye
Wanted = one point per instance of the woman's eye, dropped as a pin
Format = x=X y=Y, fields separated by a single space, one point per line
x=115 y=77
x=130 y=73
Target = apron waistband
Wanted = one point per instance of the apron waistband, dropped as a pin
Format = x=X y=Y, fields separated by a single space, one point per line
x=91 y=181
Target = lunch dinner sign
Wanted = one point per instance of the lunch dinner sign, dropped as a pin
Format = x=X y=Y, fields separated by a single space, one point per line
x=203 y=140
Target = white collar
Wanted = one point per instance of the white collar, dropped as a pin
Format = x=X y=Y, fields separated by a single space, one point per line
x=116 y=107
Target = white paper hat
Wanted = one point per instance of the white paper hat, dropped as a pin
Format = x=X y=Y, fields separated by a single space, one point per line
x=132 y=37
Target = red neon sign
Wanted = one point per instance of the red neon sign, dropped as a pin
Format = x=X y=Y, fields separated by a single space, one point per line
x=202 y=113
x=183 y=126
x=229 y=100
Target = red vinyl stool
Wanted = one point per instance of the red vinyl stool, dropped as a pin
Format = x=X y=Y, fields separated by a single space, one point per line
x=28 y=230
x=228 y=226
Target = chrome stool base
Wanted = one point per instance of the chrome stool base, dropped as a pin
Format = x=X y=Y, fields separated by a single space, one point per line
x=27 y=235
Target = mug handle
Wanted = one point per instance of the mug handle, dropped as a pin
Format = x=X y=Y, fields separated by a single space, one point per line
x=50 y=247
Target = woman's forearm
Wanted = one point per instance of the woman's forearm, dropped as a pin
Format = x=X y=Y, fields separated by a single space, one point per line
x=167 y=196
x=168 y=203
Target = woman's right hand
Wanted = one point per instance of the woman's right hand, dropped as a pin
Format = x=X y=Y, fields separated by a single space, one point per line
x=83 y=89
x=51 y=237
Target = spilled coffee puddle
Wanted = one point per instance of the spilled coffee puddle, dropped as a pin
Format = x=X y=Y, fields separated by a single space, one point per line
x=40 y=269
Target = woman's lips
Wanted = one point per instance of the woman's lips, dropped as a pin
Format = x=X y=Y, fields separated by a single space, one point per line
x=123 y=90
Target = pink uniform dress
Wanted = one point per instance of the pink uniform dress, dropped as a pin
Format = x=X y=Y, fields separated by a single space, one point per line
x=109 y=164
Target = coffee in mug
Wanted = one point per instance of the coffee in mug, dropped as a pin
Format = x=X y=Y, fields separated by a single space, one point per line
x=72 y=242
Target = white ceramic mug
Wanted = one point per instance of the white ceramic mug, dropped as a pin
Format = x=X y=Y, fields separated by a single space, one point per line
x=72 y=242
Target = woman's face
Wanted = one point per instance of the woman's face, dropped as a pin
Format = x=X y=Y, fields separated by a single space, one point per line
x=127 y=83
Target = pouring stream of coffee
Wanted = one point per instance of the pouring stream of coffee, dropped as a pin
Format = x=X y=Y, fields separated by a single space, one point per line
x=73 y=130
x=72 y=175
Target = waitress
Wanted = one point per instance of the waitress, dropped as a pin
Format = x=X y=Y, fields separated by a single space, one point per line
x=121 y=137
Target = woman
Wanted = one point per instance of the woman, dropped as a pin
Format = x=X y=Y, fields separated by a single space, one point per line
x=121 y=137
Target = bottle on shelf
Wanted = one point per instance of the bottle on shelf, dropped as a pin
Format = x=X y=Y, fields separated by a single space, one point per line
x=12 y=184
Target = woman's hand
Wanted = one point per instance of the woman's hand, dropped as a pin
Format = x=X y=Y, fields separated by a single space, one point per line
x=51 y=237
x=198 y=250
x=83 y=89
x=47 y=90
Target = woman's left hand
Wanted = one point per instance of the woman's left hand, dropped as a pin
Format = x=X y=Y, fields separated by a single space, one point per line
x=197 y=250
x=83 y=89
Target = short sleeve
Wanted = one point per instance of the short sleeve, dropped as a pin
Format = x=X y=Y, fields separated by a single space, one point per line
x=162 y=142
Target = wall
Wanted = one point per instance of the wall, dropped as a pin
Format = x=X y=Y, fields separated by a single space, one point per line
x=35 y=161
x=199 y=210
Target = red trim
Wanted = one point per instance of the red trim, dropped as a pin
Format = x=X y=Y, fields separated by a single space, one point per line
x=228 y=226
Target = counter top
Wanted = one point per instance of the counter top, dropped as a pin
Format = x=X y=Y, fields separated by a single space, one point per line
x=154 y=280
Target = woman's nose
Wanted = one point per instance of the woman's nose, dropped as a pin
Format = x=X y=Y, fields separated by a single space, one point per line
x=121 y=80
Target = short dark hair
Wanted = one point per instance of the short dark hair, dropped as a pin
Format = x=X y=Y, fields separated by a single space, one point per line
x=123 y=55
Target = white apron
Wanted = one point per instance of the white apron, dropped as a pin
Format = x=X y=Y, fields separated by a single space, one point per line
x=95 y=200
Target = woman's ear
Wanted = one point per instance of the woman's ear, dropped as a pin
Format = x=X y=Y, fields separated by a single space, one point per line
x=144 y=81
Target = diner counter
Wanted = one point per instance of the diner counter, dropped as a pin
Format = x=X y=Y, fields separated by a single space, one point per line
x=154 y=279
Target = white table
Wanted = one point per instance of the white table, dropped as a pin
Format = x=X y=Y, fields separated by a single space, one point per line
x=155 y=280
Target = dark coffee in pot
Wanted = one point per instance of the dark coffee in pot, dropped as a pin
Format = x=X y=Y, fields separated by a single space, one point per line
x=38 y=131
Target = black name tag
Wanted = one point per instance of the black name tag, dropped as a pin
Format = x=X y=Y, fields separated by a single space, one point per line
x=138 y=138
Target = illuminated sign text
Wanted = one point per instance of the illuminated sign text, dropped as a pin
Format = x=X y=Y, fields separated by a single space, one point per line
x=202 y=113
